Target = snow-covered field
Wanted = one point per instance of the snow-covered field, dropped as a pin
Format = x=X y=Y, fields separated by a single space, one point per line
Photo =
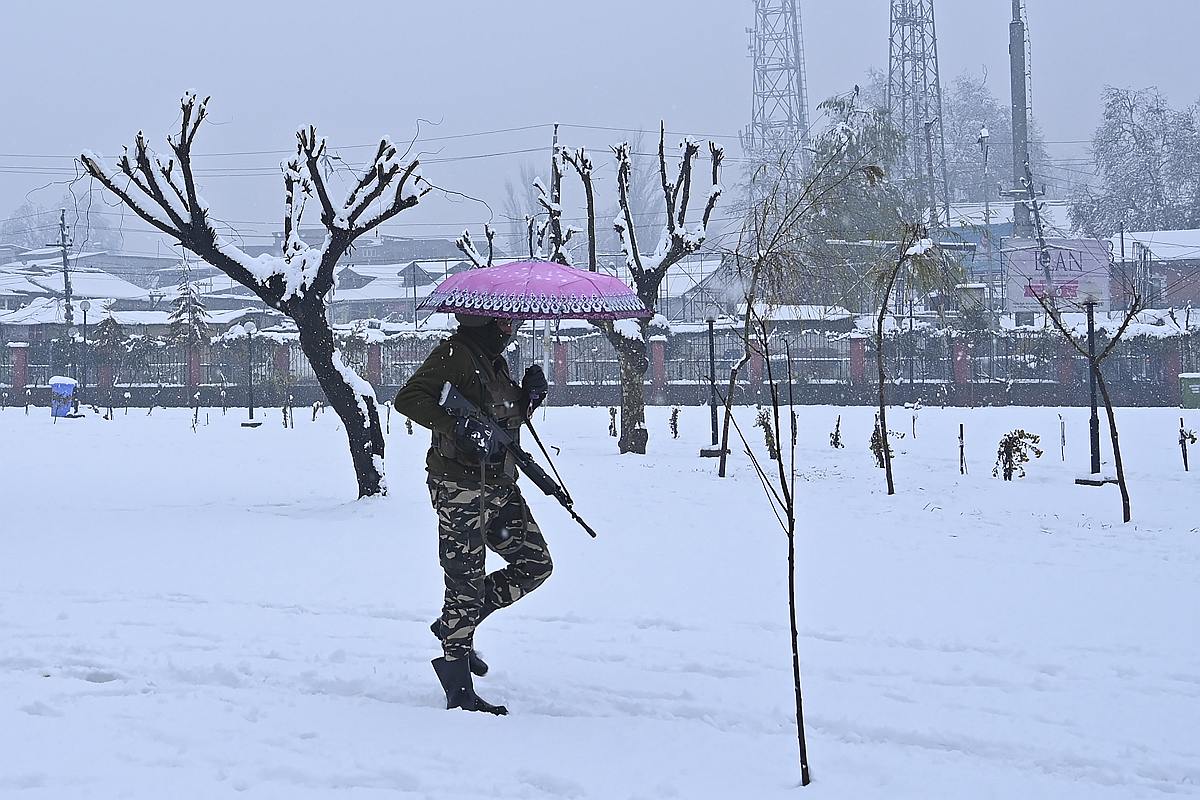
x=202 y=615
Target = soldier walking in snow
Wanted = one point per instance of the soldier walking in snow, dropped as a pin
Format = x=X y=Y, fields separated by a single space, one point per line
x=472 y=484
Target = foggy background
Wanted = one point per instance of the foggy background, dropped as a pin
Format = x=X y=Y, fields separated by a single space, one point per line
x=89 y=75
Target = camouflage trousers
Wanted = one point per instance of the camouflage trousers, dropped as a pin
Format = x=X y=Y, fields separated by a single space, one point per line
x=509 y=531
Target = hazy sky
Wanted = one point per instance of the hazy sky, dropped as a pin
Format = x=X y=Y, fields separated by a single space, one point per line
x=90 y=74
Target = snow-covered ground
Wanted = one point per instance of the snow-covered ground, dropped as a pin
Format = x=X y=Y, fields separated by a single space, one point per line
x=207 y=614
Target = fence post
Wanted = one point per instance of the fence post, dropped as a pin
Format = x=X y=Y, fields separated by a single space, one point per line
x=559 y=368
x=858 y=360
x=658 y=370
x=19 y=351
x=375 y=364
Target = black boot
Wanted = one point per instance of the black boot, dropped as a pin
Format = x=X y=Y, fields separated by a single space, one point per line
x=479 y=667
x=460 y=693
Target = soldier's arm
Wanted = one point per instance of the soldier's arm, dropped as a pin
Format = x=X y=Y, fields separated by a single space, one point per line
x=418 y=399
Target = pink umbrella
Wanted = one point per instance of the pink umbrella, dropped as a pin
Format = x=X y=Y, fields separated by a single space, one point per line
x=535 y=290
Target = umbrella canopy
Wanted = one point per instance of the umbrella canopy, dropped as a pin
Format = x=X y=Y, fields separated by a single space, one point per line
x=535 y=290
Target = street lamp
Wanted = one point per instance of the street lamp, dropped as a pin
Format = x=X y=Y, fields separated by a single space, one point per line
x=714 y=451
x=712 y=375
x=85 y=305
x=73 y=365
x=1094 y=419
x=251 y=329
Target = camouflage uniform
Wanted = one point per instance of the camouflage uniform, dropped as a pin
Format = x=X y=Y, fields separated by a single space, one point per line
x=471 y=360
x=509 y=531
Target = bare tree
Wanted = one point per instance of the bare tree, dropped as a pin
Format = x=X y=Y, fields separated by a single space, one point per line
x=1094 y=364
x=297 y=282
x=678 y=240
x=780 y=491
x=914 y=248
x=771 y=249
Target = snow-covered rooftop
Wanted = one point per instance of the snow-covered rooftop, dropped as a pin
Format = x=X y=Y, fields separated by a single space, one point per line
x=796 y=313
x=1165 y=245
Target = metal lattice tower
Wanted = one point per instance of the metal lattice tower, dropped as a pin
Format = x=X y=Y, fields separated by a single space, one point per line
x=779 y=118
x=914 y=101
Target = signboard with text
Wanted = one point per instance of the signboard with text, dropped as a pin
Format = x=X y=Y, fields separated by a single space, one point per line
x=1079 y=272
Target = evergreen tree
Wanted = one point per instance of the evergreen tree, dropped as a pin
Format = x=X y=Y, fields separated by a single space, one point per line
x=108 y=341
x=189 y=319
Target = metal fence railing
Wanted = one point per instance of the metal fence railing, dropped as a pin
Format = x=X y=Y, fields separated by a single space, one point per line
x=587 y=358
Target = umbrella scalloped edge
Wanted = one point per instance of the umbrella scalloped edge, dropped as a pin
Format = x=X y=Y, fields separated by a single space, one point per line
x=540 y=306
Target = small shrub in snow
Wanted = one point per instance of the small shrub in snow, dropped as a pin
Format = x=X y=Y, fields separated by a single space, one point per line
x=1014 y=453
x=835 y=438
x=762 y=419
x=675 y=423
x=878 y=443
x=612 y=421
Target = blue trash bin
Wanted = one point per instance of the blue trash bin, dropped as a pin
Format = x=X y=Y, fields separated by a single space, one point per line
x=62 y=395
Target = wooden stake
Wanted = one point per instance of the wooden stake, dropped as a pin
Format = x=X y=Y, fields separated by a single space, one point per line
x=962 y=450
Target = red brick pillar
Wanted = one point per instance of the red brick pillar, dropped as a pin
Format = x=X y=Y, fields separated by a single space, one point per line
x=757 y=369
x=1066 y=365
x=658 y=369
x=559 y=368
x=962 y=362
x=19 y=353
x=858 y=360
x=281 y=361
x=194 y=370
x=375 y=364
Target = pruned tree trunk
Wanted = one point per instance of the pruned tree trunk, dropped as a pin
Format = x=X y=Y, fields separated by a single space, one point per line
x=356 y=408
x=633 y=363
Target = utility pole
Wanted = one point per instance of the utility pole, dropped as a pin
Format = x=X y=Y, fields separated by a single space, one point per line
x=1022 y=227
x=1039 y=231
x=556 y=200
x=63 y=244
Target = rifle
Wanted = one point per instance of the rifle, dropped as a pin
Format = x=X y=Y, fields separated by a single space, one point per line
x=458 y=406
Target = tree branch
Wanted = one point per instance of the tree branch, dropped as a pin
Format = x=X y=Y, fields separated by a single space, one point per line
x=312 y=147
x=624 y=224
x=582 y=163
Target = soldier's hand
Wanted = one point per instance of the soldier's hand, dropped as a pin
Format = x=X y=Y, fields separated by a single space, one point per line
x=535 y=385
x=475 y=440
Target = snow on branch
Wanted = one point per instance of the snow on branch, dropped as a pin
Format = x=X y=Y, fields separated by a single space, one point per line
x=679 y=239
x=552 y=229
x=467 y=245
x=165 y=195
